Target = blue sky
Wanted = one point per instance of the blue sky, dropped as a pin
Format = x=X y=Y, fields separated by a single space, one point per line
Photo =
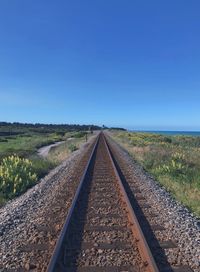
x=134 y=64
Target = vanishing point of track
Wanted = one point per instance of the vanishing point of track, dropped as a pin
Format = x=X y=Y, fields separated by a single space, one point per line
x=102 y=232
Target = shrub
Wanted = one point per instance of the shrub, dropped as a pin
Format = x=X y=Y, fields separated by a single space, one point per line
x=167 y=140
x=173 y=160
x=148 y=160
x=60 y=133
x=154 y=156
x=72 y=147
x=3 y=140
x=176 y=167
x=79 y=134
x=16 y=175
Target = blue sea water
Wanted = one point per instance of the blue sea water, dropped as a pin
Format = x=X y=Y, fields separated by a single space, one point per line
x=185 y=133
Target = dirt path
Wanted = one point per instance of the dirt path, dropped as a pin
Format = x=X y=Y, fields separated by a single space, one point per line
x=44 y=151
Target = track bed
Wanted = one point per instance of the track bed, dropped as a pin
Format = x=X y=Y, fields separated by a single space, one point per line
x=102 y=232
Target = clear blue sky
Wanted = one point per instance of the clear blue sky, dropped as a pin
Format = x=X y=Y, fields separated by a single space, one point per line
x=120 y=63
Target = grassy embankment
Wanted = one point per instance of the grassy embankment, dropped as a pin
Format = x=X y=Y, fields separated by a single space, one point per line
x=24 y=144
x=173 y=160
x=72 y=143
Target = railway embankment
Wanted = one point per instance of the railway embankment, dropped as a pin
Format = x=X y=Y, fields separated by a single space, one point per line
x=180 y=225
x=31 y=223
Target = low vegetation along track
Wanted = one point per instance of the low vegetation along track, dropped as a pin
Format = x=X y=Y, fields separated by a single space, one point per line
x=102 y=232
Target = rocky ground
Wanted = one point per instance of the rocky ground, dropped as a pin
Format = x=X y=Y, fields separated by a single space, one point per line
x=181 y=226
x=31 y=223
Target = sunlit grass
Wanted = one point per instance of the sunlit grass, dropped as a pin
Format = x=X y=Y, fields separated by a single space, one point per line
x=27 y=147
x=173 y=160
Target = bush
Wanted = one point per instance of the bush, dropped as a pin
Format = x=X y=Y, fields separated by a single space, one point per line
x=3 y=140
x=173 y=160
x=79 y=134
x=154 y=156
x=16 y=175
x=60 y=133
x=72 y=147
x=176 y=167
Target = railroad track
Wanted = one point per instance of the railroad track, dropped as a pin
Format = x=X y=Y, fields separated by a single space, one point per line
x=102 y=231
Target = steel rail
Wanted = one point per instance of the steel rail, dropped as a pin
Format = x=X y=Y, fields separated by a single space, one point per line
x=56 y=252
x=143 y=247
x=146 y=255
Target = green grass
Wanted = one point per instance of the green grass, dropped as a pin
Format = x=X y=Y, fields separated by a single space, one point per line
x=42 y=166
x=26 y=146
x=173 y=160
x=59 y=153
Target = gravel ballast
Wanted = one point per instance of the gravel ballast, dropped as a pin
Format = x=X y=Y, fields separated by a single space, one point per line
x=31 y=223
x=181 y=226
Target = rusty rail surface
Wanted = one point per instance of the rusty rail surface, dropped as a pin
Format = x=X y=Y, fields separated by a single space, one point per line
x=146 y=255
